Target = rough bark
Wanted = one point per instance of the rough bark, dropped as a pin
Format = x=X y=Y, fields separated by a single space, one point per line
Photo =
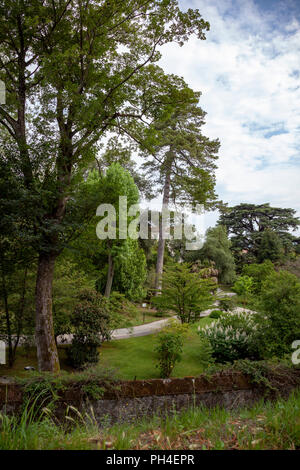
x=110 y=275
x=8 y=323
x=161 y=240
x=20 y=314
x=44 y=332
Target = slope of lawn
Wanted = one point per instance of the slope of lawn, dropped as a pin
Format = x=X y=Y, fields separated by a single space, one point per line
x=132 y=358
x=135 y=358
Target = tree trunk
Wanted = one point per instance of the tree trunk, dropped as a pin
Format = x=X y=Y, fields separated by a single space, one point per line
x=161 y=240
x=20 y=313
x=8 y=324
x=44 y=332
x=110 y=275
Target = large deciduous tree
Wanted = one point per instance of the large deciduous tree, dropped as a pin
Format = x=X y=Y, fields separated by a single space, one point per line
x=71 y=72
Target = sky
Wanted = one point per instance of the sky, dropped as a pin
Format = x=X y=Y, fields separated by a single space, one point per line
x=248 y=70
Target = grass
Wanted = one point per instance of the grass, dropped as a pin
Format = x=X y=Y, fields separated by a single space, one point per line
x=265 y=426
x=144 y=316
x=131 y=358
x=28 y=358
x=135 y=357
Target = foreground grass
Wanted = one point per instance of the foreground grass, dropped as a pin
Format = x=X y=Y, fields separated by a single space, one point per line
x=264 y=426
x=131 y=358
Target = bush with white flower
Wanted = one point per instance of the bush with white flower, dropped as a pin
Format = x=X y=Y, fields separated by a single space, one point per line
x=232 y=336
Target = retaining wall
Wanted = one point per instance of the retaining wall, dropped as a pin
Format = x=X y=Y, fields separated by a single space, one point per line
x=132 y=400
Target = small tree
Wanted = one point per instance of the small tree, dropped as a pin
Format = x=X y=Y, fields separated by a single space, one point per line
x=184 y=292
x=91 y=327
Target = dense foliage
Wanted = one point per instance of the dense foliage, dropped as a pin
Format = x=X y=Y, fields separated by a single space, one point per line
x=169 y=347
x=279 y=305
x=217 y=249
x=232 y=336
x=260 y=232
x=184 y=292
x=91 y=326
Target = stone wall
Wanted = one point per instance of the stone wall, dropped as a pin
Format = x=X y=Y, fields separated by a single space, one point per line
x=131 y=400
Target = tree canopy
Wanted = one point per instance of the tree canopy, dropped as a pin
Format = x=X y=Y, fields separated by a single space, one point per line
x=73 y=71
x=247 y=223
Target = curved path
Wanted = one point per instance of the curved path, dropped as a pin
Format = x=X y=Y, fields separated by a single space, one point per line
x=148 y=328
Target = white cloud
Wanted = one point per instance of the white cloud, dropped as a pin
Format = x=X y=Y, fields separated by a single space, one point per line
x=247 y=72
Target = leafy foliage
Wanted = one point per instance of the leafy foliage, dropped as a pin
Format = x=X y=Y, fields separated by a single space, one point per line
x=215 y=314
x=247 y=224
x=91 y=326
x=243 y=286
x=258 y=273
x=184 y=292
x=69 y=279
x=279 y=305
x=169 y=347
x=270 y=247
x=73 y=73
x=233 y=336
x=130 y=271
x=226 y=303
x=217 y=249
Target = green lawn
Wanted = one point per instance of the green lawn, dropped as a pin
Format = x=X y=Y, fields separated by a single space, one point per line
x=145 y=315
x=135 y=357
x=131 y=358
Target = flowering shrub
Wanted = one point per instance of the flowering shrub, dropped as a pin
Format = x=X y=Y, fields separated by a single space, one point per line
x=233 y=336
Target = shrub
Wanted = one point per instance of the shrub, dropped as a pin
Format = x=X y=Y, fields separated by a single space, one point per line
x=184 y=292
x=226 y=304
x=233 y=336
x=90 y=321
x=259 y=273
x=120 y=310
x=215 y=314
x=169 y=347
x=243 y=287
x=279 y=306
